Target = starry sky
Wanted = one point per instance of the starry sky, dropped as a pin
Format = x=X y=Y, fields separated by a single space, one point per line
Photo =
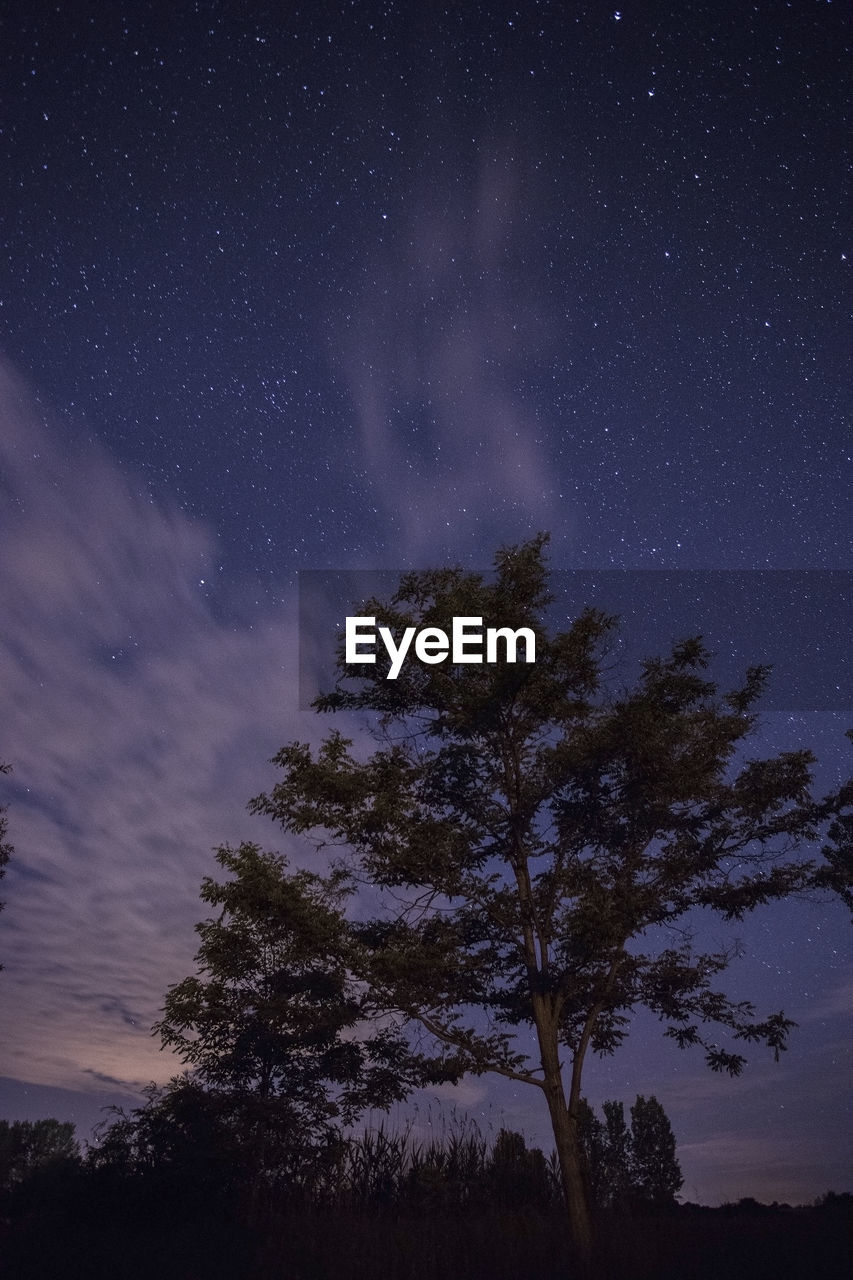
x=367 y=286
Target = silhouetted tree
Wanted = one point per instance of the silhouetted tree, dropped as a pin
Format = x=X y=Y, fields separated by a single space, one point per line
x=628 y=1167
x=655 y=1171
x=28 y=1147
x=517 y=1174
x=536 y=836
x=618 y=1154
x=268 y=1024
x=178 y=1128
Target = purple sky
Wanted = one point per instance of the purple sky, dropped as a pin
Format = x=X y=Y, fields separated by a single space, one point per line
x=141 y=725
x=364 y=287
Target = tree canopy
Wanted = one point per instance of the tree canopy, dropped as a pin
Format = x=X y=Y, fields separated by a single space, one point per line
x=543 y=839
x=269 y=1024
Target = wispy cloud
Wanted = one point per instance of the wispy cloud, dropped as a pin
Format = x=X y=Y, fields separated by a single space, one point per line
x=138 y=726
x=441 y=353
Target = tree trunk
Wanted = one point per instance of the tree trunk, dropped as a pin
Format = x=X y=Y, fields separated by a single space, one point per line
x=571 y=1170
x=565 y=1130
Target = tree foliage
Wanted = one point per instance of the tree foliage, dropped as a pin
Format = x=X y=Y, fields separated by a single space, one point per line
x=627 y=1167
x=30 y=1147
x=656 y=1173
x=542 y=840
x=270 y=1023
x=190 y=1137
x=836 y=872
x=517 y=1174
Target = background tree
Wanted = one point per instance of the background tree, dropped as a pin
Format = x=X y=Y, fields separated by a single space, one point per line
x=607 y=1155
x=619 y=1153
x=628 y=1167
x=268 y=1025
x=542 y=840
x=30 y=1147
x=182 y=1133
x=594 y=1156
x=655 y=1171
x=517 y=1175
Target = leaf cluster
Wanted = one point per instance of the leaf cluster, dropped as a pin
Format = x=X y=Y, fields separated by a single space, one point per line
x=273 y=1016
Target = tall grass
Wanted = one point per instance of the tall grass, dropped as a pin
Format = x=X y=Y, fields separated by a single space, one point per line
x=456 y=1168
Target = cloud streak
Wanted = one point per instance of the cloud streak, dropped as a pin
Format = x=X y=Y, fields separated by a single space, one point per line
x=441 y=356
x=137 y=726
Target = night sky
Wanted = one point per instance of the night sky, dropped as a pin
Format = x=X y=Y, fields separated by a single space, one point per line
x=370 y=286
